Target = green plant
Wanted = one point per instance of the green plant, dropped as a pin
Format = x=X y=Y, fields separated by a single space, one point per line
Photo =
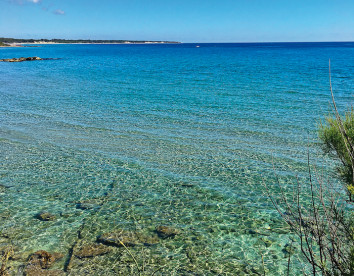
x=337 y=137
x=334 y=144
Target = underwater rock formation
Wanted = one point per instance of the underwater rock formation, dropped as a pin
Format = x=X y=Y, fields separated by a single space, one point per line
x=39 y=263
x=92 y=250
x=45 y=216
x=128 y=238
x=166 y=231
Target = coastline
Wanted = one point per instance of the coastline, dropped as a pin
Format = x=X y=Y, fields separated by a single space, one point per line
x=98 y=43
x=20 y=41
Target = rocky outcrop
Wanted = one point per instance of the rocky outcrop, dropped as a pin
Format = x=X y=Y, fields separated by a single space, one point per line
x=26 y=59
x=21 y=59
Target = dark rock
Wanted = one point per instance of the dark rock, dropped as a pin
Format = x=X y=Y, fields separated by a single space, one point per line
x=166 y=231
x=187 y=185
x=45 y=216
x=21 y=59
x=92 y=250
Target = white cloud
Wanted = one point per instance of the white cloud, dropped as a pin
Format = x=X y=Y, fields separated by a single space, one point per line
x=21 y=2
x=59 y=12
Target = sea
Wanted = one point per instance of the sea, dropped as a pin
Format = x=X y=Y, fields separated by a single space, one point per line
x=173 y=149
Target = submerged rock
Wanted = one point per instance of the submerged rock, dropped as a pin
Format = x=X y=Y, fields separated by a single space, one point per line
x=166 y=231
x=45 y=216
x=147 y=239
x=128 y=238
x=117 y=238
x=39 y=263
x=42 y=259
x=92 y=250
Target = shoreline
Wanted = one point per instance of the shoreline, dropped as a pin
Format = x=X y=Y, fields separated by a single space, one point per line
x=82 y=43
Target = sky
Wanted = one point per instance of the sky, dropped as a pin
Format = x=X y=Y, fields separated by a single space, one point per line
x=180 y=20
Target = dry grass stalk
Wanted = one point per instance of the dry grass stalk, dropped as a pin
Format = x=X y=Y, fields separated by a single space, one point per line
x=4 y=259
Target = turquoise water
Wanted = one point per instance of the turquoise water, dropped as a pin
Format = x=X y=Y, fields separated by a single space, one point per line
x=135 y=136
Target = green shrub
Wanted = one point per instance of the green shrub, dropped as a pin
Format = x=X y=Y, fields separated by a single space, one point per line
x=338 y=142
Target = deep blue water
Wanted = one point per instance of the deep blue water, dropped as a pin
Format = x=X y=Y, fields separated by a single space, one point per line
x=173 y=135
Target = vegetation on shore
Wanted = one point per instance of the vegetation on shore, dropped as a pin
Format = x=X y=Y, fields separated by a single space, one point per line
x=55 y=40
x=3 y=44
x=337 y=136
x=324 y=226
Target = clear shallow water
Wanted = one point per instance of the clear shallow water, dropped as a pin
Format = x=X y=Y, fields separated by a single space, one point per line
x=154 y=135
